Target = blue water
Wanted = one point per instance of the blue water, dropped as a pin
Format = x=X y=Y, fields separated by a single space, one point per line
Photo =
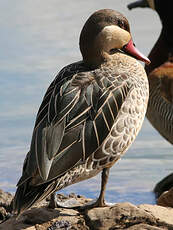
x=37 y=39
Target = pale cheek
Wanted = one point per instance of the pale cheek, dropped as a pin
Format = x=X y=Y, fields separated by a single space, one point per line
x=116 y=36
x=122 y=39
x=117 y=42
x=112 y=37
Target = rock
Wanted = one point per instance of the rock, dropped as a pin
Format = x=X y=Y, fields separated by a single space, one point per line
x=120 y=216
x=128 y=216
x=162 y=215
x=46 y=219
x=5 y=201
x=166 y=199
x=164 y=185
x=3 y=213
x=164 y=191
x=143 y=227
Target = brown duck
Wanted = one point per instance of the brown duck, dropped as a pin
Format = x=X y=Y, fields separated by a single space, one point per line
x=160 y=76
x=160 y=71
x=90 y=115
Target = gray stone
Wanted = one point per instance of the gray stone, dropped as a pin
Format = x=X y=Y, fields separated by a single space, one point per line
x=119 y=216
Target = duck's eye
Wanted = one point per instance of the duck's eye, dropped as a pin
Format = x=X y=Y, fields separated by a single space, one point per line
x=112 y=51
x=120 y=24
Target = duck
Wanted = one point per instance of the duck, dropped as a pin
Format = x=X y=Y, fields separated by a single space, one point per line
x=160 y=71
x=90 y=114
x=160 y=77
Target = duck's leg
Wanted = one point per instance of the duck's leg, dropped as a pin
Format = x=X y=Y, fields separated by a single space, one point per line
x=53 y=201
x=101 y=201
x=72 y=203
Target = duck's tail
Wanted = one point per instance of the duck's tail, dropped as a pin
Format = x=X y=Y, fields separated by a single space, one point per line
x=26 y=195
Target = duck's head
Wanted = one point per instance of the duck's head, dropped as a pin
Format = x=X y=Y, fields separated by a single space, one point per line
x=163 y=7
x=104 y=33
x=142 y=3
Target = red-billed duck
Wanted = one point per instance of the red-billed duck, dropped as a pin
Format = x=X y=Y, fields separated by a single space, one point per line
x=90 y=115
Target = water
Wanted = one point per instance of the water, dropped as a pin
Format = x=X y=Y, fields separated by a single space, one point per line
x=37 y=39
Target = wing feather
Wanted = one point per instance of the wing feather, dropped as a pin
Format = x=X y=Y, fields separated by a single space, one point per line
x=90 y=112
x=79 y=112
x=75 y=117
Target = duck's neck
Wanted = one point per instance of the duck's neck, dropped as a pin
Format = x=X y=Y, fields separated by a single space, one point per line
x=158 y=55
x=118 y=62
x=124 y=63
x=94 y=58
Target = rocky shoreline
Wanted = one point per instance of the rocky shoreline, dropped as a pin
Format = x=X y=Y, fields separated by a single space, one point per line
x=118 y=216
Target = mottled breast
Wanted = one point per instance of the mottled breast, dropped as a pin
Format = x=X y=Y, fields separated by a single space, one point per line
x=129 y=119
